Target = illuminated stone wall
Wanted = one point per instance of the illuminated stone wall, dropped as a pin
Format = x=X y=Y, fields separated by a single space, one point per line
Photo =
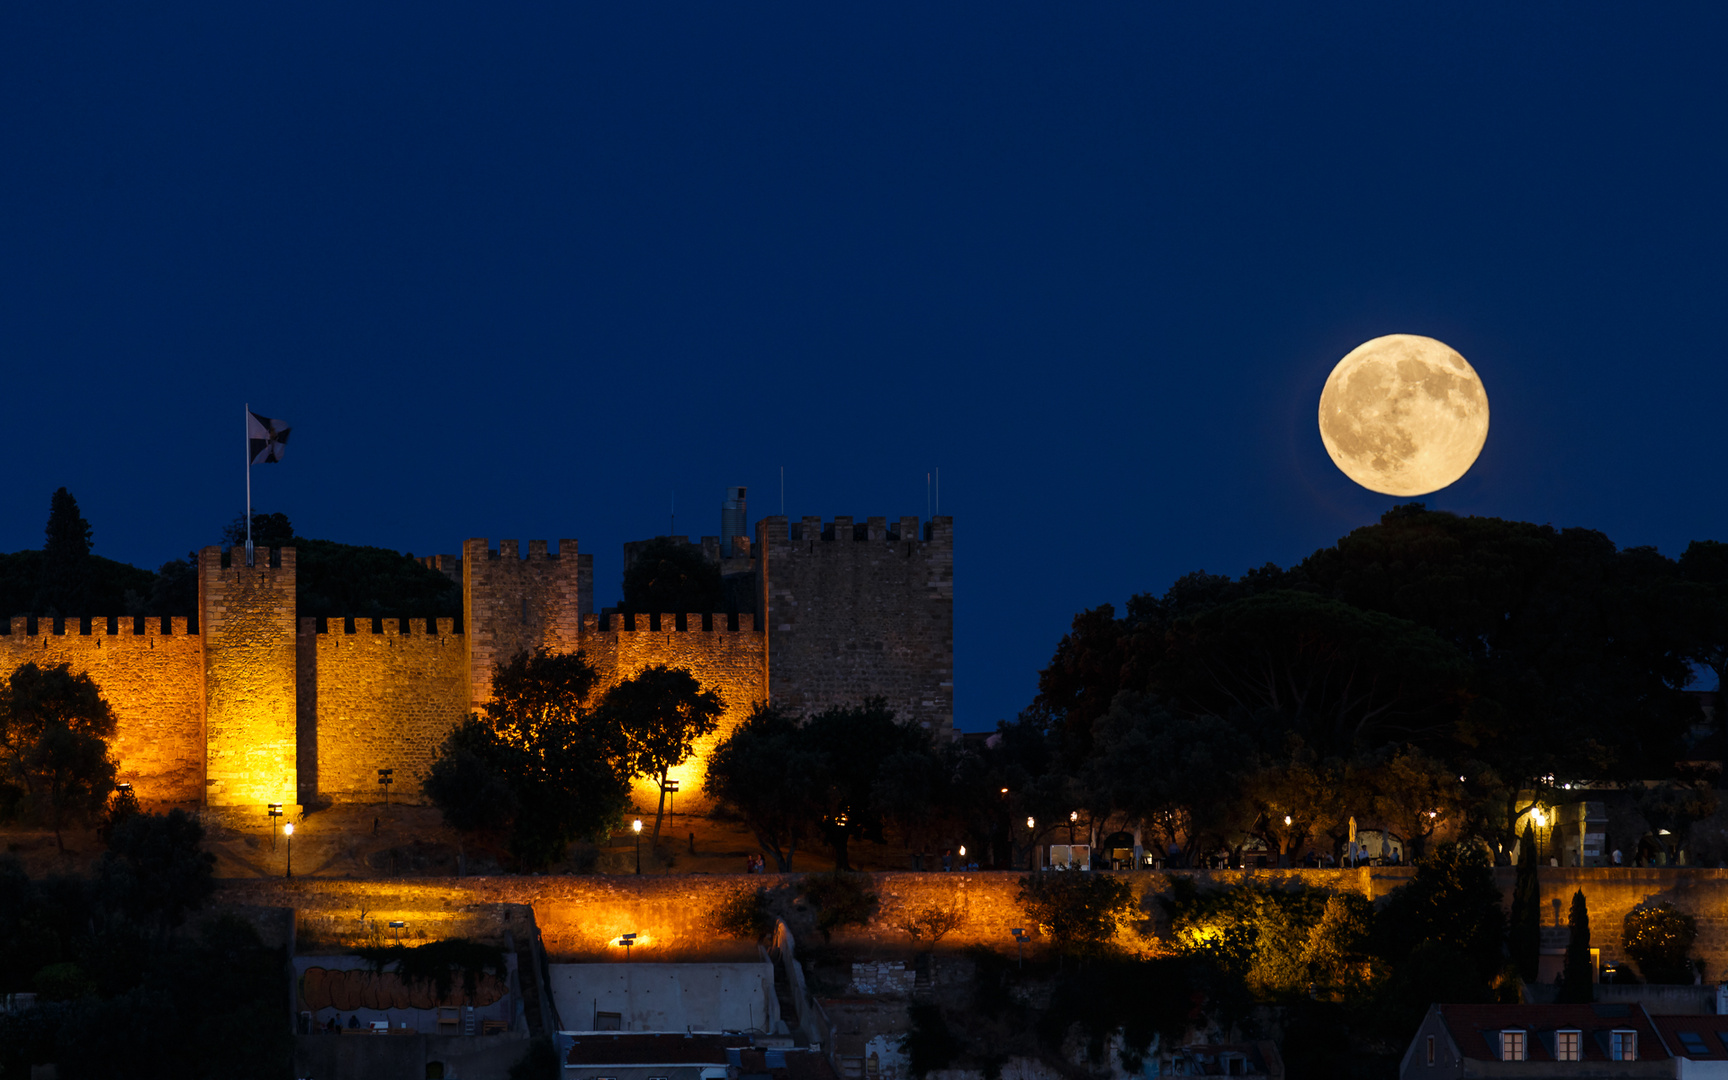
x=246 y=616
x=855 y=609
x=379 y=696
x=512 y=604
x=727 y=661
x=152 y=679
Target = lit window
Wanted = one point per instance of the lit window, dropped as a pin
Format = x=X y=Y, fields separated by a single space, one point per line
x=1624 y=1045
x=1430 y=1049
x=1568 y=1046
x=1511 y=1046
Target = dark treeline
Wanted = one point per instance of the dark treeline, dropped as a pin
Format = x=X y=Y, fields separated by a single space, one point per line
x=65 y=578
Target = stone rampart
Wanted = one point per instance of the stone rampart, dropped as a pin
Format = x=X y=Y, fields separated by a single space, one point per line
x=381 y=694
x=152 y=676
x=852 y=610
x=513 y=604
x=247 y=618
x=581 y=917
x=724 y=655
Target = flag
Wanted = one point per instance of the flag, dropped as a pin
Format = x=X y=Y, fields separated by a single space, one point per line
x=268 y=438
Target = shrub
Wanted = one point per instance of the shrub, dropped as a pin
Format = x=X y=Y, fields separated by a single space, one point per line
x=744 y=914
x=1078 y=912
x=1657 y=939
x=841 y=899
x=933 y=921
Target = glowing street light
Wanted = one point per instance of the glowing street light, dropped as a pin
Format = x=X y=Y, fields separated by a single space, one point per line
x=1073 y=816
x=636 y=827
x=1286 y=820
x=397 y=925
x=1020 y=944
x=288 y=831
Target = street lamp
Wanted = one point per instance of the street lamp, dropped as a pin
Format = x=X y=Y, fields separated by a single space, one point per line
x=1020 y=944
x=671 y=789
x=275 y=812
x=288 y=831
x=636 y=827
x=1031 y=843
x=1073 y=816
x=386 y=777
x=397 y=925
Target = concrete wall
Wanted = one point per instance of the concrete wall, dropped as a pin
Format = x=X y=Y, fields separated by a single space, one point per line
x=153 y=679
x=664 y=997
x=854 y=610
x=246 y=615
x=379 y=696
x=404 y=1057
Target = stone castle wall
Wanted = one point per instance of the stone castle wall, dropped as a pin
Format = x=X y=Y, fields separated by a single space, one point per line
x=246 y=615
x=512 y=604
x=580 y=917
x=858 y=609
x=723 y=657
x=380 y=694
x=152 y=677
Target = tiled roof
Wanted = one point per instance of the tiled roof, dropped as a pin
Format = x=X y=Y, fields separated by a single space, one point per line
x=1476 y=1028
x=1700 y=1038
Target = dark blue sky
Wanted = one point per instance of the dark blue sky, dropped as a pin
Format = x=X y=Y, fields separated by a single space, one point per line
x=524 y=272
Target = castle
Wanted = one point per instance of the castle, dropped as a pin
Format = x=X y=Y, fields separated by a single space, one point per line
x=254 y=705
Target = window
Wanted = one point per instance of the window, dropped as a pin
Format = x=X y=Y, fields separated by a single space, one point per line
x=605 y=1021
x=1430 y=1049
x=1512 y=1046
x=1623 y=1046
x=1693 y=1043
x=1568 y=1046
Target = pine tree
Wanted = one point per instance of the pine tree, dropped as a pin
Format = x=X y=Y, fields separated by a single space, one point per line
x=1575 y=979
x=1526 y=929
x=64 y=587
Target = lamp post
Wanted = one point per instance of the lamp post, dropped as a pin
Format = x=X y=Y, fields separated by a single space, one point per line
x=1073 y=816
x=275 y=812
x=671 y=789
x=1031 y=843
x=288 y=831
x=397 y=925
x=386 y=777
x=1020 y=945
x=636 y=827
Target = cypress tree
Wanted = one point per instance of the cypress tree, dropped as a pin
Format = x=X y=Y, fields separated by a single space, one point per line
x=1526 y=928
x=1575 y=985
x=64 y=587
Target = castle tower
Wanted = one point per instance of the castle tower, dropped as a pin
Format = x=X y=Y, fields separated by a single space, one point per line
x=852 y=610
x=511 y=605
x=246 y=621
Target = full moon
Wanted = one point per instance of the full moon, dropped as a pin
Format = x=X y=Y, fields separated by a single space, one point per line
x=1403 y=415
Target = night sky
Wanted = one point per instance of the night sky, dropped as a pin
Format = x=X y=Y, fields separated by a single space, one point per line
x=526 y=271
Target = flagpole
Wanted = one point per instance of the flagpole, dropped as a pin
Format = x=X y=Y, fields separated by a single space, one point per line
x=247 y=425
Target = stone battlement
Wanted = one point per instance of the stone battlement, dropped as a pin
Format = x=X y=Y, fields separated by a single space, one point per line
x=537 y=549
x=624 y=622
x=97 y=626
x=388 y=626
x=781 y=530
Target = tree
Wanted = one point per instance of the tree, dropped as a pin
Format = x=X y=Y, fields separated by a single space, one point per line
x=54 y=728
x=155 y=869
x=1077 y=912
x=540 y=765
x=1416 y=794
x=1659 y=940
x=859 y=744
x=1576 y=978
x=1526 y=930
x=662 y=712
x=1452 y=902
x=1672 y=807
x=766 y=775
x=66 y=571
x=667 y=575
x=1287 y=801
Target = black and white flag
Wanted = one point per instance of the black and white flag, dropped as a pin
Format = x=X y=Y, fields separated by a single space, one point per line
x=268 y=438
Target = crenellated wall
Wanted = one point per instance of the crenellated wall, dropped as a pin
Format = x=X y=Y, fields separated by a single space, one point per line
x=725 y=657
x=860 y=609
x=381 y=694
x=512 y=604
x=247 y=619
x=151 y=675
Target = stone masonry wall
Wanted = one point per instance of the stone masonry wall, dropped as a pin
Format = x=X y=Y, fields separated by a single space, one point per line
x=247 y=622
x=153 y=680
x=382 y=696
x=512 y=604
x=582 y=916
x=855 y=610
x=726 y=661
